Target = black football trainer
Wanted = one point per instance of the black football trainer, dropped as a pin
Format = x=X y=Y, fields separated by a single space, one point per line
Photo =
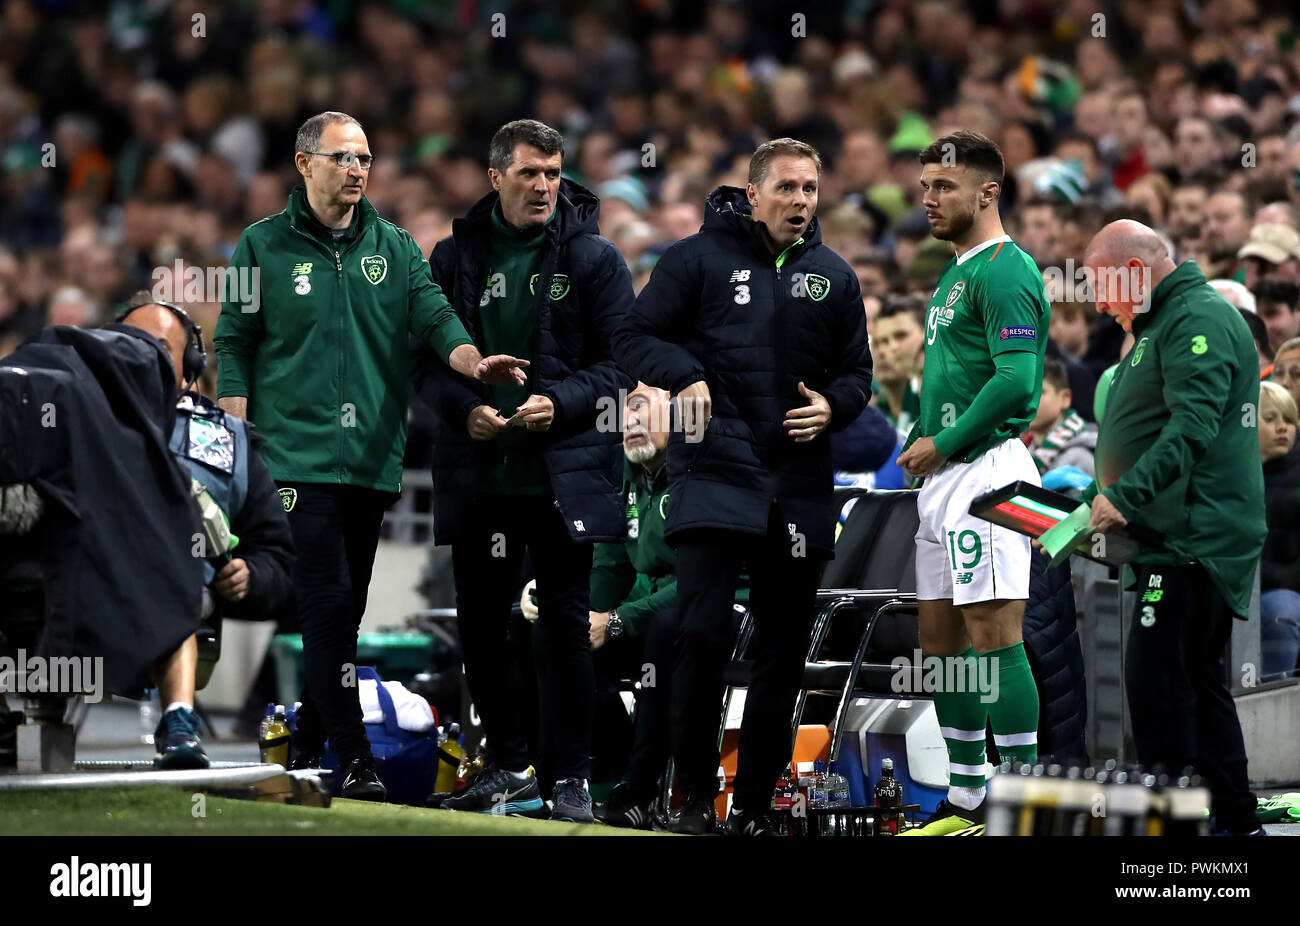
x=625 y=808
x=740 y=823
x=697 y=817
x=572 y=801
x=361 y=781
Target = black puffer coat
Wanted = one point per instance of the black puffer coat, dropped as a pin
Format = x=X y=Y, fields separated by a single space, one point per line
x=571 y=365
x=1056 y=657
x=720 y=307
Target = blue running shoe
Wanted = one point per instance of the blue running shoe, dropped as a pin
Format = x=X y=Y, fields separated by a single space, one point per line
x=497 y=791
x=176 y=740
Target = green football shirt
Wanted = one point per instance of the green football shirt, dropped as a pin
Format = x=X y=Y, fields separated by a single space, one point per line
x=989 y=301
x=508 y=321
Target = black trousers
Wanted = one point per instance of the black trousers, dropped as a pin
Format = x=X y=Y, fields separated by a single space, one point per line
x=486 y=562
x=1174 y=674
x=636 y=750
x=335 y=534
x=782 y=598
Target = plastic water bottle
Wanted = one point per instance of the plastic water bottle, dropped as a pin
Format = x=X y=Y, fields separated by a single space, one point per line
x=817 y=799
x=265 y=724
x=837 y=789
x=148 y=719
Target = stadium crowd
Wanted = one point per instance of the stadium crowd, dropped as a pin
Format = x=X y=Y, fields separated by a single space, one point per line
x=138 y=143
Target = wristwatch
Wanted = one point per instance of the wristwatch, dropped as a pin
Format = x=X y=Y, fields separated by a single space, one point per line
x=615 y=626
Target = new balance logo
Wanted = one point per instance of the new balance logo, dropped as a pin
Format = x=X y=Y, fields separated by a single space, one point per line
x=739 y=276
x=965 y=578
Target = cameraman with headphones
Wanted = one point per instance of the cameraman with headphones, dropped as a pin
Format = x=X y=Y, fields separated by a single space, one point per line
x=249 y=546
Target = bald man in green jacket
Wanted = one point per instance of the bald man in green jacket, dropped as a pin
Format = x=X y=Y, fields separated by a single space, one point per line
x=1178 y=453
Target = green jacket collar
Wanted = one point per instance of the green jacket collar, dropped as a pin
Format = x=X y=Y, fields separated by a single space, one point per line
x=1185 y=276
x=302 y=217
x=506 y=232
x=634 y=474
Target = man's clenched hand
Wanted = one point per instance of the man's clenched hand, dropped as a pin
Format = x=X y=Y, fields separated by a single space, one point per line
x=484 y=423
x=231 y=582
x=695 y=409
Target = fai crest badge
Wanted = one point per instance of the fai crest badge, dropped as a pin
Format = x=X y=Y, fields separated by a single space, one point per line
x=559 y=285
x=288 y=498
x=955 y=293
x=1138 y=352
x=818 y=286
x=375 y=268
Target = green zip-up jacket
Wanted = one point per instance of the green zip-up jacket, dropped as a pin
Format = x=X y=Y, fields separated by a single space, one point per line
x=1178 y=449
x=322 y=352
x=638 y=576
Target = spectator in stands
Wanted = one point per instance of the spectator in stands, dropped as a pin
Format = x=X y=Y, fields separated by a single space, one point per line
x=1259 y=332
x=899 y=339
x=1279 y=584
x=1236 y=293
x=1278 y=213
x=1227 y=226
x=71 y=305
x=1071 y=324
x=249 y=578
x=1059 y=436
x=1286 y=367
x=1040 y=228
x=1152 y=192
x=1187 y=209
x=1271 y=252
x=877 y=273
x=1278 y=304
x=1196 y=145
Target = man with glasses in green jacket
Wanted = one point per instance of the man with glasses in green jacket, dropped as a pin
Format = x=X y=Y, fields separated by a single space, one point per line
x=312 y=347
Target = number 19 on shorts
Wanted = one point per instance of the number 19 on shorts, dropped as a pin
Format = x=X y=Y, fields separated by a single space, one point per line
x=965 y=544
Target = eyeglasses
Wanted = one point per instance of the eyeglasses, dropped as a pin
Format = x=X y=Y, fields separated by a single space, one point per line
x=345 y=159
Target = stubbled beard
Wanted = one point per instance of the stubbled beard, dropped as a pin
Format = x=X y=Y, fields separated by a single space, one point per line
x=957 y=226
x=641 y=452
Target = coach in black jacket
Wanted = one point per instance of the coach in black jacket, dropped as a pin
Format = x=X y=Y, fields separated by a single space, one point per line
x=527 y=268
x=759 y=330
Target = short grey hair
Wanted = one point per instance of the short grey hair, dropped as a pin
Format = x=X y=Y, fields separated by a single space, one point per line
x=501 y=151
x=309 y=132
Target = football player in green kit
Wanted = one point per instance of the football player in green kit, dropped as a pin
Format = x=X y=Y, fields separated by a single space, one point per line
x=986 y=333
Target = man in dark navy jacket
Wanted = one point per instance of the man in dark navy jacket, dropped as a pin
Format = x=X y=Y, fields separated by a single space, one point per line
x=758 y=330
x=528 y=467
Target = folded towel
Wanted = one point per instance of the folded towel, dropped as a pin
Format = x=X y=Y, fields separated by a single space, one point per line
x=413 y=712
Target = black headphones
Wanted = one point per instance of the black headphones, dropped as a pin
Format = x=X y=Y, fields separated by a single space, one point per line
x=195 y=358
